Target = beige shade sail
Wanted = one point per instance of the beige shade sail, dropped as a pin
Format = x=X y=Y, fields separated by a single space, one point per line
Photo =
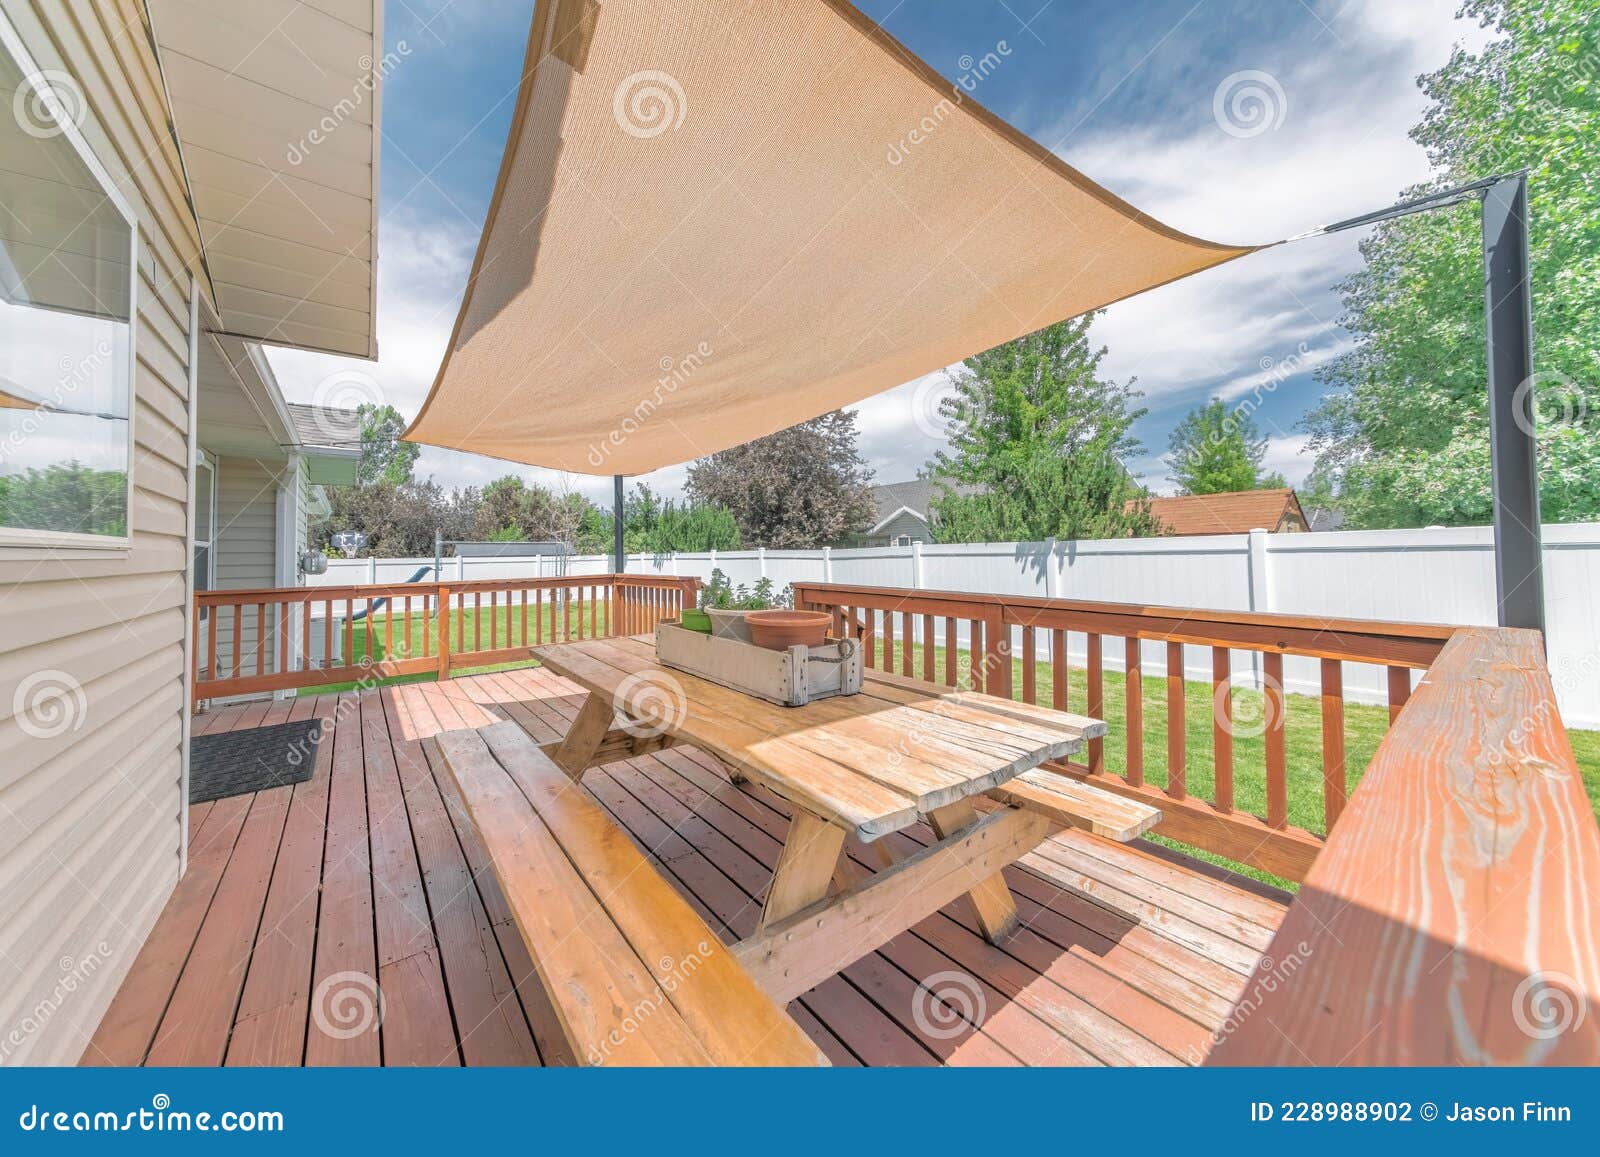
x=717 y=218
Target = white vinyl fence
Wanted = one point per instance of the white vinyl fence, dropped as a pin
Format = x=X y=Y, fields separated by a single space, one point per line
x=1439 y=575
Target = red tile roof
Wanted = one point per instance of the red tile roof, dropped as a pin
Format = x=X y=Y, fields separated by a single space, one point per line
x=1233 y=513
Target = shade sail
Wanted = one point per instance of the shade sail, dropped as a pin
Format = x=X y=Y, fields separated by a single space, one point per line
x=717 y=218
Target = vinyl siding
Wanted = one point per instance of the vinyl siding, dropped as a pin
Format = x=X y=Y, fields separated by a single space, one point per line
x=247 y=536
x=91 y=819
x=904 y=523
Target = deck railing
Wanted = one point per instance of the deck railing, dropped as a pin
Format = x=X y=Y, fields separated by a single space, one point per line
x=1003 y=640
x=1451 y=919
x=281 y=638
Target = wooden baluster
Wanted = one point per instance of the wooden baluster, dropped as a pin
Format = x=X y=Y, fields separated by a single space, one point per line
x=327 y=634
x=997 y=656
x=1334 y=783
x=538 y=615
x=442 y=651
x=927 y=648
x=238 y=639
x=1277 y=763
x=213 y=629
x=350 y=632
x=1399 y=690
x=950 y=652
x=427 y=626
x=1133 y=684
x=1177 y=731
x=975 y=654
x=305 y=635
x=888 y=640
x=283 y=637
x=869 y=639
x=1222 y=727
x=388 y=629
x=594 y=603
x=1030 y=678
x=837 y=630
x=261 y=638
x=908 y=641
x=405 y=638
x=525 y=593
x=1058 y=669
x=1095 y=705
x=477 y=620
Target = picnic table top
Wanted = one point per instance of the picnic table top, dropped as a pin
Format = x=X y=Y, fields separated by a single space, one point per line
x=872 y=763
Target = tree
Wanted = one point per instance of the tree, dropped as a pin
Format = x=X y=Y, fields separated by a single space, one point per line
x=512 y=510
x=1402 y=438
x=384 y=458
x=399 y=521
x=1217 y=451
x=801 y=487
x=653 y=526
x=1037 y=440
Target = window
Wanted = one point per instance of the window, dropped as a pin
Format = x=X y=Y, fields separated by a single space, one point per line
x=205 y=522
x=67 y=269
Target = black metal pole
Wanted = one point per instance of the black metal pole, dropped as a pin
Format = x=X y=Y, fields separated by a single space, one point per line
x=1513 y=445
x=619 y=558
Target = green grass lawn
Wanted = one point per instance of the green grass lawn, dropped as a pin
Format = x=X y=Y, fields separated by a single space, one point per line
x=1364 y=725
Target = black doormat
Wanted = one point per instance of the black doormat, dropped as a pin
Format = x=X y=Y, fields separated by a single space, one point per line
x=237 y=762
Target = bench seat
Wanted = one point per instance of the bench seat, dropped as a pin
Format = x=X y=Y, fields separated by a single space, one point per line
x=1076 y=804
x=635 y=975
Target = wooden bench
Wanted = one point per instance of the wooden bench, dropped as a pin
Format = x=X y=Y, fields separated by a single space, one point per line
x=635 y=975
x=1075 y=804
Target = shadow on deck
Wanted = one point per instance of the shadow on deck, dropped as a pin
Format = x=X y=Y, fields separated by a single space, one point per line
x=352 y=919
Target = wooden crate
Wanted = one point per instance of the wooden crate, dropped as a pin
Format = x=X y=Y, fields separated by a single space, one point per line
x=789 y=678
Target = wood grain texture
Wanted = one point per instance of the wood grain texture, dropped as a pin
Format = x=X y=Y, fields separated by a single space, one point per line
x=1451 y=918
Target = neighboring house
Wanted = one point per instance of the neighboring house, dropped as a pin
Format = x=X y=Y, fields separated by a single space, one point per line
x=178 y=181
x=904 y=513
x=1319 y=518
x=1236 y=512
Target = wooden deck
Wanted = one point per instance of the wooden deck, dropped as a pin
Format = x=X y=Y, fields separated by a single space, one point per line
x=298 y=899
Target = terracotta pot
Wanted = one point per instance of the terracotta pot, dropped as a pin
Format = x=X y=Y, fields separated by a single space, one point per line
x=780 y=630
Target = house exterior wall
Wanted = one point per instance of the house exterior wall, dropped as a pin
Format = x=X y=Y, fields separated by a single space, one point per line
x=903 y=523
x=91 y=807
x=247 y=554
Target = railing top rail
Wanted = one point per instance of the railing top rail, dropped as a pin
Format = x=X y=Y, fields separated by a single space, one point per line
x=403 y=589
x=1148 y=611
x=1450 y=919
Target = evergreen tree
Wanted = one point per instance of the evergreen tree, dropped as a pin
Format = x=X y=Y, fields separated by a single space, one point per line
x=1215 y=450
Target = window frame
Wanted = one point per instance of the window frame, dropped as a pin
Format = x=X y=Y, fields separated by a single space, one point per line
x=13 y=538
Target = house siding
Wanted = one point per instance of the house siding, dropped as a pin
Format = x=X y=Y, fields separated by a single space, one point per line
x=904 y=523
x=91 y=819
x=247 y=552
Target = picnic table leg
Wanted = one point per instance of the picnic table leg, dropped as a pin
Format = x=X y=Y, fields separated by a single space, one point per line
x=849 y=872
x=997 y=911
x=583 y=738
x=806 y=865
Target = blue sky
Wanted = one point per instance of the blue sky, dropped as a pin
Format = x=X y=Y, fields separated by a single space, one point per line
x=1133 y=92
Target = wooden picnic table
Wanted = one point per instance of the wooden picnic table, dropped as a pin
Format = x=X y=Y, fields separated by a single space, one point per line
x=851 y=767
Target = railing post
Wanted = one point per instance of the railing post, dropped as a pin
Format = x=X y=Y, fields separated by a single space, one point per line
x=442 y=619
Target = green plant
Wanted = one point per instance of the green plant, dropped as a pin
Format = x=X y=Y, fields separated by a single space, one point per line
x=720 y=594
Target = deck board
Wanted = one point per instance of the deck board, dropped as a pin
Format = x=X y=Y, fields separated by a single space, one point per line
x=370 y=874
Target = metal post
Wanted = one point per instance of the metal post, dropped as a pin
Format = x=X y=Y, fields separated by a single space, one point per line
x=619 y=558
x=1513 y=446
